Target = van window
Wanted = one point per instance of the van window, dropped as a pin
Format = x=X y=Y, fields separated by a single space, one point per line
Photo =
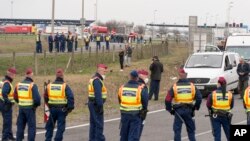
x=204 y=61
x=232 y=60
x=244 y=51
x=227 y=63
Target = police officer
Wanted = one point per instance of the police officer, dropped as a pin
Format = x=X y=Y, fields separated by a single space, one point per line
x=97 y=96
x=6 y=103
x=27 y=96
x=183 y=93
x=57 y=42
x=143 y=81
x=107 y=40
x=62 y=42
x=133 y=99
x=219 y=104
x=50 y=40
x=70 y=41
x=246 y=101
x=60 y=100
x=38 y=43
x=98 y=42
x=86 y=41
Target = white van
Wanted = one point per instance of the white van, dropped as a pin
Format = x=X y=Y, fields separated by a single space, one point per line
x=240 y=43
x=204 y=69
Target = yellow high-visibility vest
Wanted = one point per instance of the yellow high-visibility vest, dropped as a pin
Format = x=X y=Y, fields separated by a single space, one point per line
x=92 y=91
x=24 y=92
x=56 y=94
x=10 y=95
x=98 y=38
x=184 y=93
x=247 y=98
x=221 y=104
x=130 y=98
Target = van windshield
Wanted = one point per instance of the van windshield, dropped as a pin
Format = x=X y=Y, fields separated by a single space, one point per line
x=243 y=51
x=204 y=61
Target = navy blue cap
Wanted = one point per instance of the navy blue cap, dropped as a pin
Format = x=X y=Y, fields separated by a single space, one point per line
x=134 y=73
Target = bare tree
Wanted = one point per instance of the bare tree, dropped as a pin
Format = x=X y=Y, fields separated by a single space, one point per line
x=162 y=31
x=112 y=25
x=140 y=29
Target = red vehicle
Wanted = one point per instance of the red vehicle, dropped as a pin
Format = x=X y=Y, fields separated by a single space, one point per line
x=16 y=29
x=99 y=29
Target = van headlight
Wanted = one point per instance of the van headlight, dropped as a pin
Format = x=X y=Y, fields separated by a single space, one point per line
x=214 y=80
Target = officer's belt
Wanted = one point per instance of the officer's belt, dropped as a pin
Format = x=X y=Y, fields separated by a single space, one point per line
x=221 y=113
x=185 y=106
x=57 y=106
x=92 y=99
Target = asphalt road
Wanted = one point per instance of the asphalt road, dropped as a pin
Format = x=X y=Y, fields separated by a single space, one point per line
x=158 y=126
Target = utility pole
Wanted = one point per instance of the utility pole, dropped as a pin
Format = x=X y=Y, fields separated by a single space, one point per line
x=82 y=22
x=53 y=17
x=11 y=12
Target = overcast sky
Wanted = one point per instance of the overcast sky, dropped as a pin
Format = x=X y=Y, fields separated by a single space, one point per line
x=137 y=11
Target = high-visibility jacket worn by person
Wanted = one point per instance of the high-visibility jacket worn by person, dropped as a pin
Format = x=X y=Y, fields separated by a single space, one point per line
x=91 y=90
x=25 y=94
x=247 y=99
x=11 y=93
x=130 y=98
x=184 y=93
x=218 y=103
x=56 y=94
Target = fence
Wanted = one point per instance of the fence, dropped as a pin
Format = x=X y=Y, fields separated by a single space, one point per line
x=75 y=62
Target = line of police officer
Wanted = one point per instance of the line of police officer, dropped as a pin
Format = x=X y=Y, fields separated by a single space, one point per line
x=181 y=101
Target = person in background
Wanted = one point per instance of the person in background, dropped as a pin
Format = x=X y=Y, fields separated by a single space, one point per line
x=156 y=69
x=28 y=98
x=243 y=72
x=57 y=42
x=70 y=41
x=62 y=42
x=38 y=43
x=121 y=58
x=107 y=40
x=76 y=41
x=128 y=55
x=50 y=41
x=6 y=103
x=86 y=41
x=98 y=41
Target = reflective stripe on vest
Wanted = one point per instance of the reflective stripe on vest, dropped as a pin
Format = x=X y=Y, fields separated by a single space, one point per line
x=92 y=91
x=10 y=94
x=221 y=104
x=184 y=93
x=24 y=92
x=56 y=93
x=130 y=98
x=247 y=98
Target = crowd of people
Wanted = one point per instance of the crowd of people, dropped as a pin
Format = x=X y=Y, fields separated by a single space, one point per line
x=182 y=100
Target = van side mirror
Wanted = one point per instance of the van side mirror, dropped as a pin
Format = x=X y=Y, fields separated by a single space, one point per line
x=229 y=67
x=234 y=64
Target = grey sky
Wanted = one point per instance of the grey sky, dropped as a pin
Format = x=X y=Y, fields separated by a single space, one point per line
x=137 y=11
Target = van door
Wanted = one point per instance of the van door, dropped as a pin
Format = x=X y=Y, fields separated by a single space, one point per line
x=233 y=59
x=228 y=71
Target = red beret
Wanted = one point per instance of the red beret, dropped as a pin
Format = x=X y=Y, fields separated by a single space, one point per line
x=59 y=72
x=12 y=70
x=29 y=71
x=143 y=72
x=222 y=81
x=181 y=71
x=102 y=66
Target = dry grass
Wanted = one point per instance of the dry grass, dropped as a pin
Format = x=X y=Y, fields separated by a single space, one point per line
x=78 y=84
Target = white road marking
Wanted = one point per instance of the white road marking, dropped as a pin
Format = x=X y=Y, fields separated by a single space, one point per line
x=206 y=132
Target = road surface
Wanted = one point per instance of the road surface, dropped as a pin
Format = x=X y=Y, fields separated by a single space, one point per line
x=158 y=126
